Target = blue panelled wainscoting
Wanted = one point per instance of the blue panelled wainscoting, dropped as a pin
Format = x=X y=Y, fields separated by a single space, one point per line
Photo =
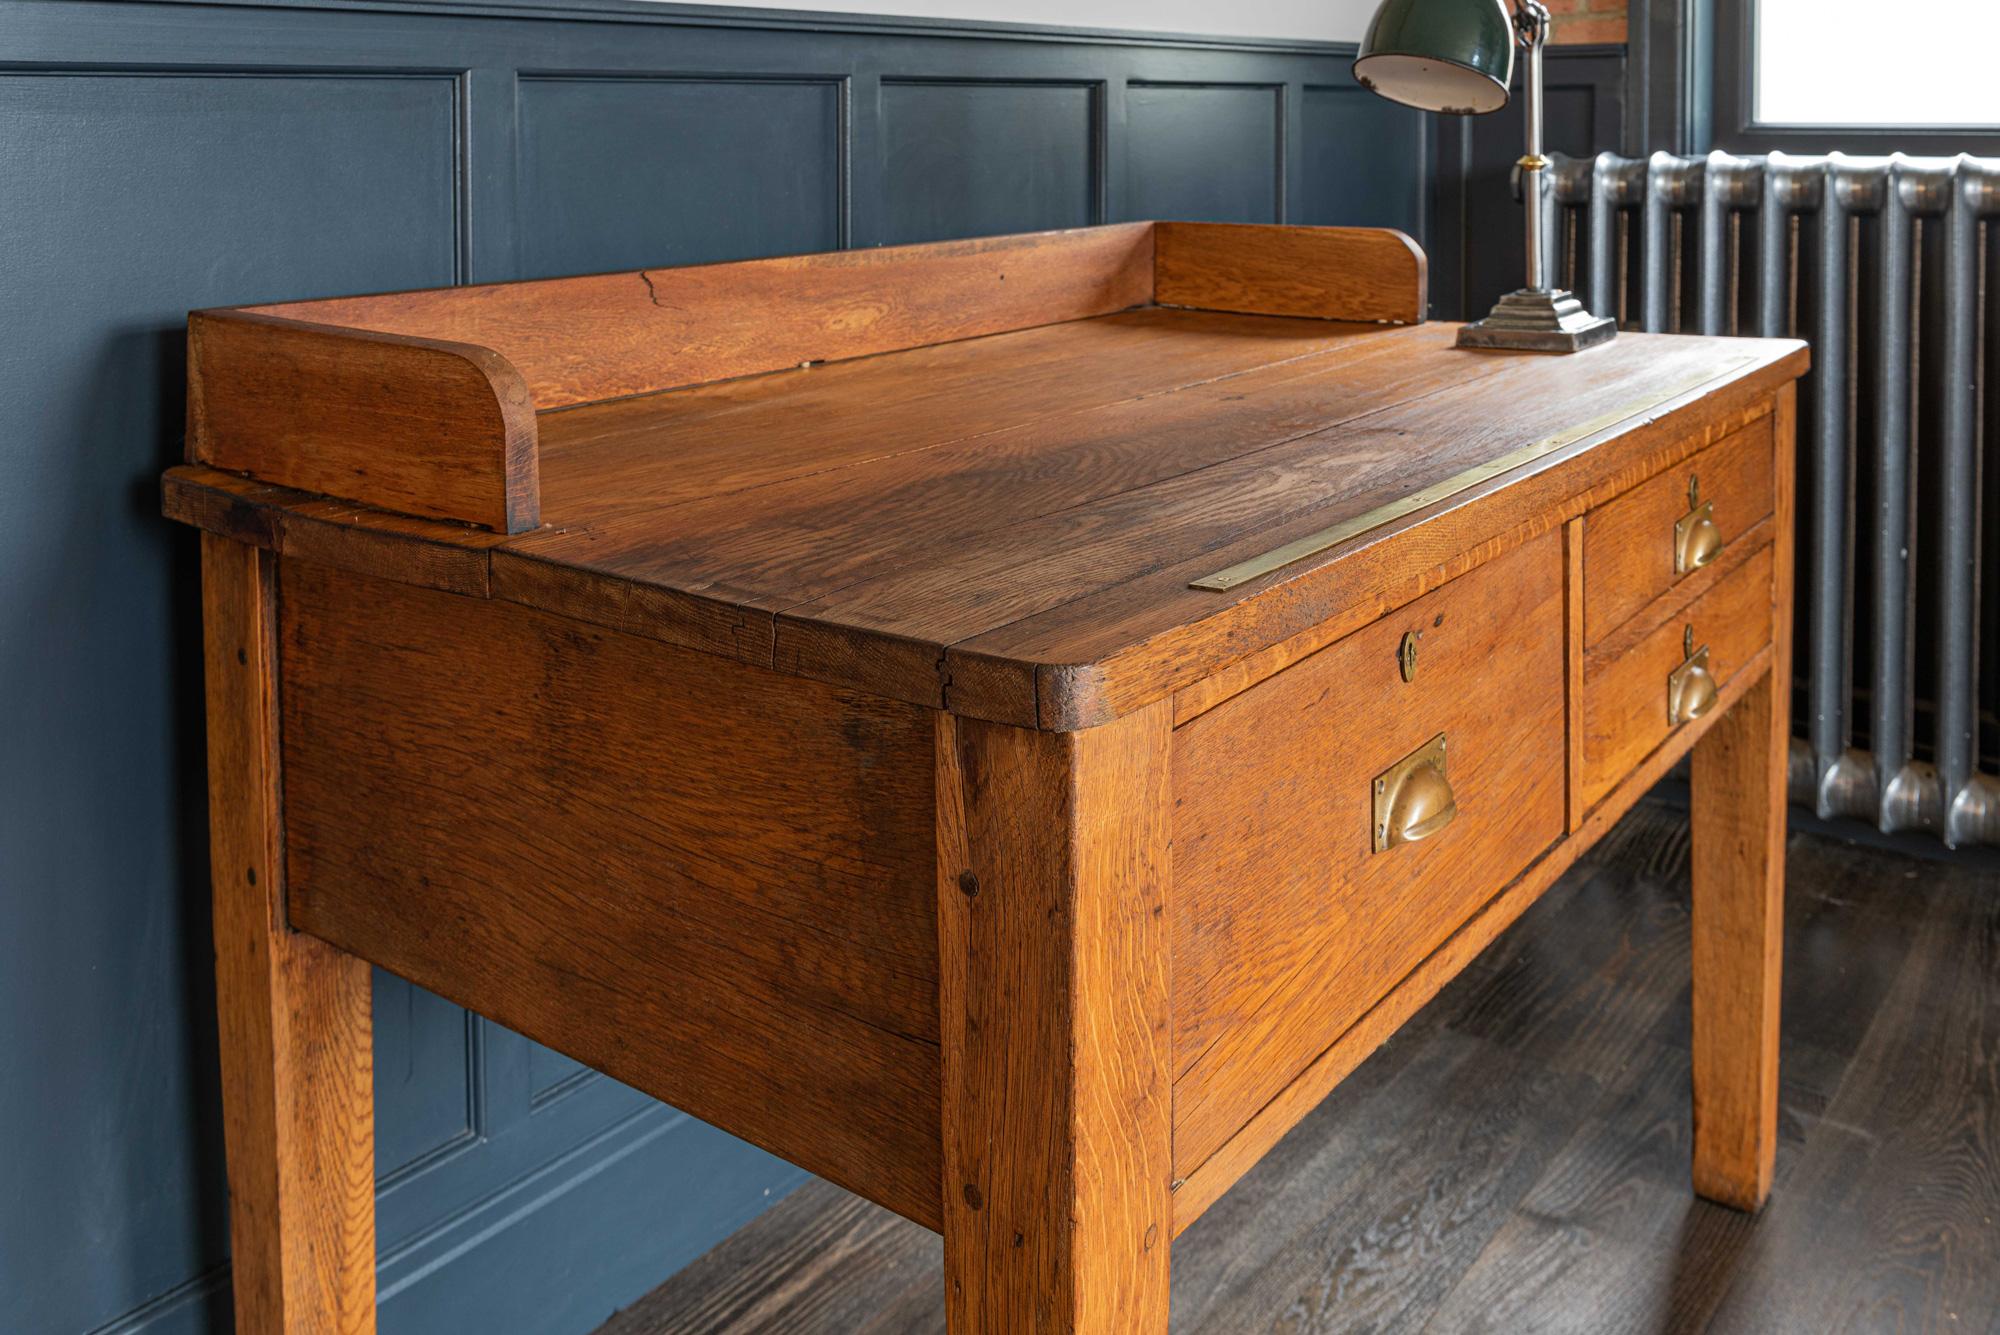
x=161 y=156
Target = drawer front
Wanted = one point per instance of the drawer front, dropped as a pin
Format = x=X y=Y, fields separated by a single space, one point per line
x=1627 y=680
x=1288 y=924
x=1650 y=539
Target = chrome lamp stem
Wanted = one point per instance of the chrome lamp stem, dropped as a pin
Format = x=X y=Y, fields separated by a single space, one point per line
x=1531 y=24
x=1539 y=317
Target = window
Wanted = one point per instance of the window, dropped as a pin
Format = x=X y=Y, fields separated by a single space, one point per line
x=1923 y=63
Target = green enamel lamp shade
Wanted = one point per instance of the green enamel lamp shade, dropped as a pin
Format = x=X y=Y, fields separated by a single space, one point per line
x=1439 y=55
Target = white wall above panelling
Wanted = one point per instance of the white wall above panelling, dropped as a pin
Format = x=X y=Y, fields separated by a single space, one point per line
x=1316 y=20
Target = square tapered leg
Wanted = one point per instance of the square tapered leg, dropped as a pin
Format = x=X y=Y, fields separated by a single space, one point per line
x=1057 y=1094
x=294 y=1012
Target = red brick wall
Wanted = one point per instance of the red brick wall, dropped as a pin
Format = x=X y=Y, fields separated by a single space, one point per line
x=1578 y=21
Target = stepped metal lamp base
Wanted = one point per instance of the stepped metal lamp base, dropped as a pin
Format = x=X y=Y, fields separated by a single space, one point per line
x=1539 y=320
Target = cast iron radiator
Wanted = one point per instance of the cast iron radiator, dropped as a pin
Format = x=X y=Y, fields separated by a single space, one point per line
x=1888 y=267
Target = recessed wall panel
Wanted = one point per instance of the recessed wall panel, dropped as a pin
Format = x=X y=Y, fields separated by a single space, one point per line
x=1363 y=161
x=1202 y=153
x=552 y=1075
x=425 y=1091
x=128 y=199
x=636 y=173
x=979 y=159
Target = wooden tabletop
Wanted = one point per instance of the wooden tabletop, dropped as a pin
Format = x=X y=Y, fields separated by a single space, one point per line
x=1044 y=497
x=1008 y=526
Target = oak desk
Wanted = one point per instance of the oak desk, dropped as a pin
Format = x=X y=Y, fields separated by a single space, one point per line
x=1006 y=725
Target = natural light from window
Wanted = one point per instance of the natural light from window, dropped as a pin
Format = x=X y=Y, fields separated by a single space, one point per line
x=1904 y=63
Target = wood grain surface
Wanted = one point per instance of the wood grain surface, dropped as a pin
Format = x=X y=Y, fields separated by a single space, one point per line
x=429 y=553
x=793 y=550
x=1573 y=672
x=712 y=882
x=298 y=1106
x=1739 y=900
x=942 y=476
x=1739 y=909
x=1202 y=1185
x=604 y=460
x=1437 y=418
x=1329 y=273
x=605 y=336
x=1625 y=677
x=416 y=425
x=1052 y=889
x=1135 y=631
x=1024 y=554
x=1288 y=926
x=1628 y=545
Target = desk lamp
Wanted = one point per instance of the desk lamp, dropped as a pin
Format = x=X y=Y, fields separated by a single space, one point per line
x=1457 y=56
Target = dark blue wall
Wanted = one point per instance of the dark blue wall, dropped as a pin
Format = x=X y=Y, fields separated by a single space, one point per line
x=161 y=156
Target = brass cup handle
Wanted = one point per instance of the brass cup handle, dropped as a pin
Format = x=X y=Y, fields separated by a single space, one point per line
x=1413 y=798
x=1697 y=541
x=1422 y=805
x=1691 y=689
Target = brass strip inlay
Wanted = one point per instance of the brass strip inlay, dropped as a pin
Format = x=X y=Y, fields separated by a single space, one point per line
x=1314 y=543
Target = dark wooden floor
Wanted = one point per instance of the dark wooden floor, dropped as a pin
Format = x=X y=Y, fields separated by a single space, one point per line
x=1516 y=1159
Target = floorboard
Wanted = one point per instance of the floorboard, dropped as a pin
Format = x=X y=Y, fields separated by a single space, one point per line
x=1516 y=1159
